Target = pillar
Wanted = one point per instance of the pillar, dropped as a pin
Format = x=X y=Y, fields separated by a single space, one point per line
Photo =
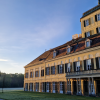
x=94 y=63
x=89 y=86
x=93 y=93
x=77 y=85
x=95 y=86
x=72 y=87
x=28 y=86
x=33 y=86
x=82 y=86
x=82 y=64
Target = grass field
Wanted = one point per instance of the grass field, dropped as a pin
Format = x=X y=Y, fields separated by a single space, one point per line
x=21 y=95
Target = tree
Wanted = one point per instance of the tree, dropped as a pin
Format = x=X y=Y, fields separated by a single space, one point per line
x=3 y=81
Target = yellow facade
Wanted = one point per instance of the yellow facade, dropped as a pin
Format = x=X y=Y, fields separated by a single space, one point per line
x=72 y=82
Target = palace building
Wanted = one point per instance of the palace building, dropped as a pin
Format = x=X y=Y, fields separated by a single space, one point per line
x=72 y=68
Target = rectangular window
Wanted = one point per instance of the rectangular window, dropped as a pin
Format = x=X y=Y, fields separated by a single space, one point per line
x=60 y=69
x=87 y=34
x=37 y=74
x=30 y=74
x=47 y=71
x=68 y=67
x=26 y=75
x=78 y=66
x=86 y=22
x=53 y=85
x=42 y=72
x=37 y=87
x=98 y=17
x=89 y=64
x=68 y=50
x=47 y=86
x=88 y=44
x=53 y=70
x=54 y=54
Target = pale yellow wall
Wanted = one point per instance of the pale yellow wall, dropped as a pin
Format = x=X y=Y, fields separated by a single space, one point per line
x=91 y=26
x=65 y=59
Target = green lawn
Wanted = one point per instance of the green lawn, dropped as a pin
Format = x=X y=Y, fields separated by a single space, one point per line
x=21 y=95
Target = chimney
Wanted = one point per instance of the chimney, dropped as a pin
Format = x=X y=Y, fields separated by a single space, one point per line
x=98 y=2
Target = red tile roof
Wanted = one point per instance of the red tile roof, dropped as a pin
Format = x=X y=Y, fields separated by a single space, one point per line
x=76 y=45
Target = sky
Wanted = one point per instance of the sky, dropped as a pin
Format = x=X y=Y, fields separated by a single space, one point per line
x=29 y=27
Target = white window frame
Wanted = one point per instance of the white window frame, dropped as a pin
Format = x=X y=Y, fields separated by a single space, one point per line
x=47 y=87
x=47 y=70
x=68 y=67
x=88 y=34
x=60 y=69
x=54 y=54
x=88 y=40
x=53 y=70
x=78 y=66
x=88 y=64
x=61 y=87
x=87 y=22
x=98 y=17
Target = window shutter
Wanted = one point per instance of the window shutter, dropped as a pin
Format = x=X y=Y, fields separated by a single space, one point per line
x=65 y=68
x=96 y=18
x=51 y=70
x=89 y=21
x=85 y=35
x=92 y=64
x=97 y=30
x=45 y=71
x=55 y=69
x=97 y=63
x=74 y=66
x=84 y=24
x=45 y=86
x=84 y=64
x=58 y=69
x=80 y=65
x=70 y=67
x=62 y=68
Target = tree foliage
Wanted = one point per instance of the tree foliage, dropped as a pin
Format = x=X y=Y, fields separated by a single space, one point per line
x=12 y=80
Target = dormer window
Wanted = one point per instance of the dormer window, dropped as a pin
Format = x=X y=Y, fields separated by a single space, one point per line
x=68 y=49
x=87 y=43
x=87 y=34
x=54 y=54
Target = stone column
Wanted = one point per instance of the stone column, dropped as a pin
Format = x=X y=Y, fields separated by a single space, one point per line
x=82 y=64
x=40 y=72
x=28 y=86
x=94 y=63
x=93 y=93
x=80 y=86
x=72 y=87
x=95 y=86
x=67 y=85
x=33 y=86
x=89 y=86
x=77 y=85
x=29 y=74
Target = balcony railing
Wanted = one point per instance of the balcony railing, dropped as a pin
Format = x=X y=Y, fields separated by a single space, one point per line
x=87 y=72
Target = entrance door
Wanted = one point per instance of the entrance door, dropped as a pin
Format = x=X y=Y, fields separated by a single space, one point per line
x=98 y=87
x=85 y=87
x=74 y=88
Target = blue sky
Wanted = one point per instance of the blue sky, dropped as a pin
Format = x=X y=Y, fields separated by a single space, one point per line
x=28 y=27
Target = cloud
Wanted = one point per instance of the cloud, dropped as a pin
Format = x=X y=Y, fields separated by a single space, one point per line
x=3 y=60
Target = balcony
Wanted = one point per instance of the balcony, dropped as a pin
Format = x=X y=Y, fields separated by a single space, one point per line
x=88 y=73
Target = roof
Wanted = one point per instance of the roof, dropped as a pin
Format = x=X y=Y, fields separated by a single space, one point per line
x=91 y=10
x=76 y=46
